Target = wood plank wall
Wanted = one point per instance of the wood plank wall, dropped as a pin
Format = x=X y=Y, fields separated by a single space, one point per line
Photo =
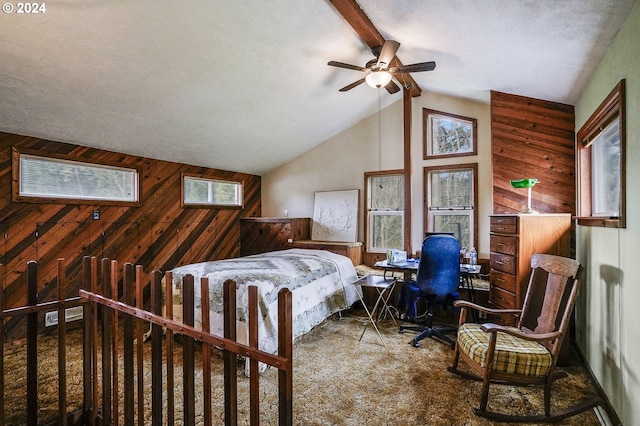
x=158 y=234
x=532 y=138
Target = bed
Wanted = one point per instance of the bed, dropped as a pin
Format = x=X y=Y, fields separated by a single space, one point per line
x=321 y=283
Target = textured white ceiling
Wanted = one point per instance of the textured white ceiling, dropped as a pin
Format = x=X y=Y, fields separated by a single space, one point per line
x=244 y=85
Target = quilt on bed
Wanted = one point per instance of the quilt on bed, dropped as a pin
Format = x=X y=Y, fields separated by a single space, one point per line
x=320 y=281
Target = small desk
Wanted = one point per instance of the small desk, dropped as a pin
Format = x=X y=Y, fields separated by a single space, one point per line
x=384 y=286
x=411 y=267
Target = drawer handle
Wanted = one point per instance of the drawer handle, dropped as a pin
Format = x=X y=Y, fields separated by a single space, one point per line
x=501 y=228
x=500 y=262
x=500 y=279
x=500 y=244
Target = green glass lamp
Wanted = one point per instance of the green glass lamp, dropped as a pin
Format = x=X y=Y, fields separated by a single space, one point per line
x=526 y=183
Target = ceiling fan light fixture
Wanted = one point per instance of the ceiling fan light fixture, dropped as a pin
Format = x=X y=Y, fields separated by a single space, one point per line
x=378 y=78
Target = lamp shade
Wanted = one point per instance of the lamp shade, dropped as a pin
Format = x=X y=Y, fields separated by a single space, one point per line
x=524 y=183
x=378 y=78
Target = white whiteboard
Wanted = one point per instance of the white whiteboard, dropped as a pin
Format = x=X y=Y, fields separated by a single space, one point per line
x=335 y=216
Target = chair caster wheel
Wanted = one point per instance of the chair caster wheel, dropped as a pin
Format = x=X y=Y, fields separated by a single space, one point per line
x=415 y=343
x=401 y=331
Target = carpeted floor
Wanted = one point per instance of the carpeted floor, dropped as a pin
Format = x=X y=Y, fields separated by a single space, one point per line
x=338 y=380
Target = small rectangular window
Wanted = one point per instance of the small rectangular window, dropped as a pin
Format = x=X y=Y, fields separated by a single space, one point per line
x=385 y=210
x=198 y=191
x=41 y=178
x=601 y=164
x=605 y=172
x=448 y=135
x=450 y=201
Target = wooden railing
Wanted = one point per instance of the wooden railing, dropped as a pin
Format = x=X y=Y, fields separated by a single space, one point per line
x=109 y=320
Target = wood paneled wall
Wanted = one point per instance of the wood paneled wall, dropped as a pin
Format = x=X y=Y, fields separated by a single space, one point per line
x=158 y=234
x=532 y=138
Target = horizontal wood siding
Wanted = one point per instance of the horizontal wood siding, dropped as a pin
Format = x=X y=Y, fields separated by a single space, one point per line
x=158 y=234
x=532 y=138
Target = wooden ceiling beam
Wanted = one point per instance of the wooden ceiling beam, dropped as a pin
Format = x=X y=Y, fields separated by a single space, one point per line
x=369 y=34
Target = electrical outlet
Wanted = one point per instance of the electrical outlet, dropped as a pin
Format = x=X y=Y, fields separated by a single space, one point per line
x=96 y=214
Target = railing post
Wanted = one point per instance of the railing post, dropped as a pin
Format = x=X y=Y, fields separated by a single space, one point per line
x=285 y=349
x=105 y=280
x=188 y=352
x=32 y=344
x=156 y=352
x=230 y=358
x=128 y=353
x=62 y=345
x=1 y=345
x=206 y=350
x=88 y=345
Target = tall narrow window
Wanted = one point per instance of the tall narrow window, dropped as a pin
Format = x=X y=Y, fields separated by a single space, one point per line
x=601 y=164
x=451 y=201
x=385 y=210
x=199 y=191
x=42 y=178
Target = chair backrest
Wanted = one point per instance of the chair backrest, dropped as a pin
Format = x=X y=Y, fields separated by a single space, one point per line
x=439 y=268
x=550 y=297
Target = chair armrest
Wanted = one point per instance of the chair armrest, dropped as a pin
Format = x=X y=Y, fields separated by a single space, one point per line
x=471 y=305
x=541 y=337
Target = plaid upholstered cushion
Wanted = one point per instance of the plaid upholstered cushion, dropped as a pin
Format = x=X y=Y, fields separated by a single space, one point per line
x=513 y=355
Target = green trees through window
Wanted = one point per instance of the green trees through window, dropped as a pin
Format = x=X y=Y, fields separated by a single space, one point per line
x=201 y=191
x=44 y=177
x=385 y=211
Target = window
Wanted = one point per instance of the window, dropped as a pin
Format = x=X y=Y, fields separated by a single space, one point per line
x=448 y=135
x=199 y=191
x=450 y=201
x=46 y=179
x=601 y=164
x=385 y=210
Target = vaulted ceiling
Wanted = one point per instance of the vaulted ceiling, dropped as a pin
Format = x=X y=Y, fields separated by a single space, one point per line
x=244 y=85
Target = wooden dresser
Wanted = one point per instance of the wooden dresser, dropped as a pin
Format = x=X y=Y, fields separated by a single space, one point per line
x=263 y=234
x=513 y=239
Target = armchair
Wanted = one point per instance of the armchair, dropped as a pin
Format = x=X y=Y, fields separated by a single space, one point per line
x=526 y=354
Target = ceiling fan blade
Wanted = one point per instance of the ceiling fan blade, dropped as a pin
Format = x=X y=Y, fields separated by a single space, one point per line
x=347 y=66
x=352 y=85
x=392 y=87
x=421 y=66
x=387 y=53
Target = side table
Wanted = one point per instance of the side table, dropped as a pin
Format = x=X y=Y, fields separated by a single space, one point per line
x=384 y=286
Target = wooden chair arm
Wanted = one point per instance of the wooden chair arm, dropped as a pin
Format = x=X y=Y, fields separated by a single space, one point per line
x=471 y=305
x=542 y=337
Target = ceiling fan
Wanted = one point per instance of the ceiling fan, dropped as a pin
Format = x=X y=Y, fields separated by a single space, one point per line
x=379 y=72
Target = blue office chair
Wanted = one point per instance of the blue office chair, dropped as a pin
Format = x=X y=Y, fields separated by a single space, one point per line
x=437 y=281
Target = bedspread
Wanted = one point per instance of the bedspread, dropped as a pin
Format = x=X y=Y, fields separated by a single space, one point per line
x=320 y=281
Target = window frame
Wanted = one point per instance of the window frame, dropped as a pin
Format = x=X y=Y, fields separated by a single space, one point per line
x=212 y=180
x=610 y=110
x=427 y=136
x=48 y=156
x=427 y=225
x=371 y=213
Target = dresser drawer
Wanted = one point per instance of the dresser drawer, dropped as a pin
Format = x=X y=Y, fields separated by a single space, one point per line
x=503 y=281
x=502 y=298
x=503 y=225
x=503 y=263
x=504 y=244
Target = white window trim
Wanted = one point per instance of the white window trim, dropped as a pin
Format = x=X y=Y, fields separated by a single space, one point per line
x=239 y=192
x=21 y=195
x=470 y=211
x=370 y=239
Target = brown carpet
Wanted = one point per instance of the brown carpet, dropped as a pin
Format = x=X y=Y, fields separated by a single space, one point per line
x=338 y=380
